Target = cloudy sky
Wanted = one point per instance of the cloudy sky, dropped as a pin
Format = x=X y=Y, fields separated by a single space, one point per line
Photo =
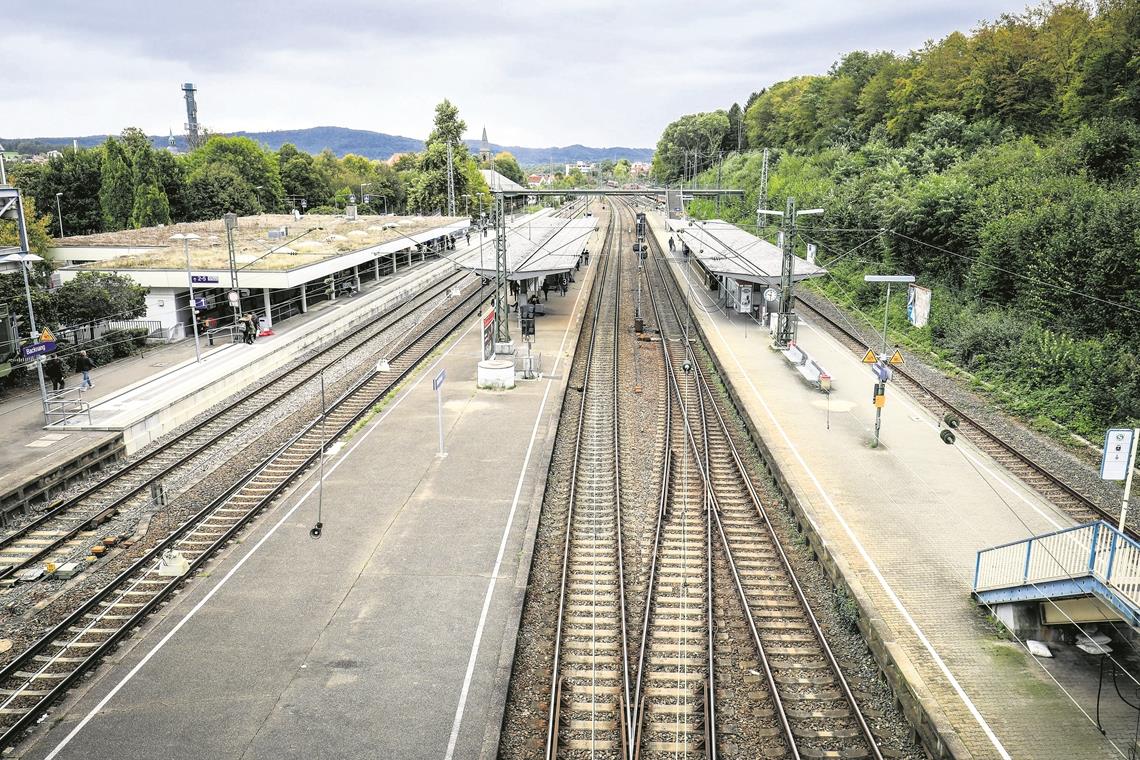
x=536 y=73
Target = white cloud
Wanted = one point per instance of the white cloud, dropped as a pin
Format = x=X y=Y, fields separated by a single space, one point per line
x=536 y=73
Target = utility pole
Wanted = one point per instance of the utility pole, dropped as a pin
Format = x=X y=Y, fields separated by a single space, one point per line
x=13 y=201
x=231 y=220
x=762 y=199
x=450 y=181
x=502 y=326
x=881 y=367
x=719 y=166
x=787 y=322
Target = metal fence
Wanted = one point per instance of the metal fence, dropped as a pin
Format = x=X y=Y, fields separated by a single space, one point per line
x=1096 y=550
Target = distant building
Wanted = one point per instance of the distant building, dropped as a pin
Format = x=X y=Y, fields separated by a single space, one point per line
x=484 y=148
x=639 y=169
x=540 y=180
x=581 y=166
x=392 y=159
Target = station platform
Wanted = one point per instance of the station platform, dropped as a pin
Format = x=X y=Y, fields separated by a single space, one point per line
x=901 y=524
x=136 y=401
x=391 y=636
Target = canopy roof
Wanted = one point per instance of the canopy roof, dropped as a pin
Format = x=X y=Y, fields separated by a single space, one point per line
x=545 y=245
x=728 y=251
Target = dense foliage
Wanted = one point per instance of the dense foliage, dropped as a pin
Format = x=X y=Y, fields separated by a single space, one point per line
x=1001 y=167
x=126 y=182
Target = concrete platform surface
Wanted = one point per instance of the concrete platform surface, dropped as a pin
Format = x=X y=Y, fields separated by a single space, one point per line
x=389 y=637
x=904 y=522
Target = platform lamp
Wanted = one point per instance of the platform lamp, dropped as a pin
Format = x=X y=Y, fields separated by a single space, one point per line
x=186 y=237
x=59 y=212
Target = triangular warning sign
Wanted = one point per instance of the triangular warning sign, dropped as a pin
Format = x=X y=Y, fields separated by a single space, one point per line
x=896 y=358
x=46 y=336
x=869 y=357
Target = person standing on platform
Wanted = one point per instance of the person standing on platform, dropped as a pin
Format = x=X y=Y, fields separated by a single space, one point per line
x=84 y=365
x=672 y=245
x=53 y=368
x=562 y=285
x=247 y=328
x=545 y=291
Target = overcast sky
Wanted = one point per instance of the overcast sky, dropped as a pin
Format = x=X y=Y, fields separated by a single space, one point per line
x=536 y=73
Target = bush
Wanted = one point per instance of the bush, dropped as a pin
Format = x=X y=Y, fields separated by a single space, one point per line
x=125 y=343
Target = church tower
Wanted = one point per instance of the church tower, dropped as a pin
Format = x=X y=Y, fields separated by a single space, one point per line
x=484 y=149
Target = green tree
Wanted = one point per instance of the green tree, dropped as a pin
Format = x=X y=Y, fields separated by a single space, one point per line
x=427 y=192
x=151 y=206
x=172 y=180
x=694 y=140
x=216 y=189
x=1107 y=79
x=506 y=165
x=117 y=186
x=12 y=291
x=98 y=296
x=255 y=165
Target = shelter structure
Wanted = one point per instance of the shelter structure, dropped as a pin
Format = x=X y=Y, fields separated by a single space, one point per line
x=546 y=245
x=736 y=262
x=285 y=264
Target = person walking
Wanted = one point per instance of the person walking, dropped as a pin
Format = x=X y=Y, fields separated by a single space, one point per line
x=53 y=368
x=84 y=365
x=247 y=328
x=545 y=291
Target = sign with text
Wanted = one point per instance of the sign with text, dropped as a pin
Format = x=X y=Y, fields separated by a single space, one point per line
x=37 y=349
x=204 y=279
x=437 y=381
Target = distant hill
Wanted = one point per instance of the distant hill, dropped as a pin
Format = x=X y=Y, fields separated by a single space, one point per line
x=362 y=142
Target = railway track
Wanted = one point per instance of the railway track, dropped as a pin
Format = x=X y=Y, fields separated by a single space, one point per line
x=1034 y=474
x=589 y=691
x=70 y=524
x=675 y=695
x=40 y=675
x=813 y=711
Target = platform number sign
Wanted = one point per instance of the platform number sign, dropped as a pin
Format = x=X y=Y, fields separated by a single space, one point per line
x=1118 y=445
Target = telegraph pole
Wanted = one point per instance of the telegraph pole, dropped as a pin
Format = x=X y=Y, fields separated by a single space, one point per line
x=450 y=181
x=231 y=220
x=502 y=324
x=787 y=322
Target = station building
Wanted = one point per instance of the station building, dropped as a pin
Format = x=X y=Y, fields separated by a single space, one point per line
x=737 y=263
x=285 y=264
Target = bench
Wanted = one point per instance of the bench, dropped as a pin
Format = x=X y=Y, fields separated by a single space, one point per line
x=808 y=368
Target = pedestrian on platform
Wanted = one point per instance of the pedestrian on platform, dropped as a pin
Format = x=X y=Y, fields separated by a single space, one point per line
x=545 y=291
x=84 y=365
x=53 y=368
x=467 y=237
x=672 y=245
x=562 y=285
x=247 y=328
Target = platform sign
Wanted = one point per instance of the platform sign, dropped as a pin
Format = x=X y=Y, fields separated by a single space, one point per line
x=869 y=357
x=1117 y=454
x=200 y=303
x=437 y=381
x=204 y=279
x=489 y=334
x=37 y=349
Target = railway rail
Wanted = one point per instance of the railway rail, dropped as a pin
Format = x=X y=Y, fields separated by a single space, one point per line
x=814 y=710
x=589 y=690
x=70 y=522
x=41 y=674
x=1034 y=474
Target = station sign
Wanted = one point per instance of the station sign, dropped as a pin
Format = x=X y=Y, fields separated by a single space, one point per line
x=38 y=348
x=437 y=381
x=204 y=279
x=1117 y=454
x=200 y=303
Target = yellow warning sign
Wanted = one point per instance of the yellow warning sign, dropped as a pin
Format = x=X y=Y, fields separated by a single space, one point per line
x=869 y=357
x=46 y=336
x=896 y=358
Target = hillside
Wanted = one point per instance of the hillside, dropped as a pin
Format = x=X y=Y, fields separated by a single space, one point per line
x=371 y=144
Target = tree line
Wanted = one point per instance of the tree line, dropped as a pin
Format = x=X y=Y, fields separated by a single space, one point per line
x=1001 y=167
x=127 y=183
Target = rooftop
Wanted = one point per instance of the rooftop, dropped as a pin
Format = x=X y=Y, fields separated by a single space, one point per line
x=312 y=239
x=544 y=245
x=497 y=181
x=727 y=250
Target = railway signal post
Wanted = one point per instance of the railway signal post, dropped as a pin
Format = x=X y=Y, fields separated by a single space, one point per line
x=880 y=363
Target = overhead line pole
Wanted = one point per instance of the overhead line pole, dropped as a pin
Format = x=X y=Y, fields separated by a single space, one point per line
x=502 y=325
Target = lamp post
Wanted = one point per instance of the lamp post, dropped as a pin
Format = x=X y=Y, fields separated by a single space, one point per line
x=881 y=366
x=362 y=186
x=59 y=212
x=466 y=204
x=257 y=189
x=186 y=238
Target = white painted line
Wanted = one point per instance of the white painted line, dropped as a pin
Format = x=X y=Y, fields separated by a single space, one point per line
x=489 y=593
x=194 y=611
x=866 y=557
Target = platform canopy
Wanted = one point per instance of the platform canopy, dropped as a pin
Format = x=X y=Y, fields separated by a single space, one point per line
x=725 y=250
x=497 y=181
x=542 y=246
